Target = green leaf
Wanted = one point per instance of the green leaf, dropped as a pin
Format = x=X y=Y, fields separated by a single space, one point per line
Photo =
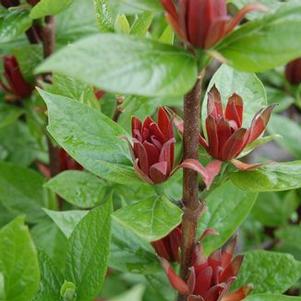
x=75 y=89
x=95 y=142
x=18 y=262
x=104 y=14
x=134 y=294
x=106 y=60
x=49 y=8
x=247 y=85
x=279 y=97
x=86 y=260
x=130 y=253
x=2 y=288
x=274 y=209
x=122 y=24
x=270 y=177
x=290 y=132
x=225 y=213
x=136 y=6
x=79 y=188
x=9 y=114
x=13 y=24
x=255 y=46
x=66 y=220
x=21 y=191
x=263 y=297
x=151 y=219
x=142 y=24
x=269 y=272
x=51 y=280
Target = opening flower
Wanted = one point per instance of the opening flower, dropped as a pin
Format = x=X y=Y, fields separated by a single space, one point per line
x=210 y=277
x=15 y=82
x=226 y=136
x=153 y=147
x=203 y=23
x=293 y=72
x=168 y=247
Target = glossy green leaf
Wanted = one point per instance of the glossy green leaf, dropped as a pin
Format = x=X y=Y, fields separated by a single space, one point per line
x=142 y=24
x=105 y=16
x=87 y=256
x=48 y=8
x=247 y=85
x=270 y=177
x=9 y=114
x=105 y=60
x=280 y=98
x=275 y=208
x=66 y=220
x=130 y=253
x=51 y=280
x=136 y=6
x=79 y=188
x=21 y=191
x=269 y=272
x=18 y=262
x=290 y=132
x=255 y=46
x=264 y=297
x=151 y=219
x=95 y=142
x=13 y=24
x=225 y=213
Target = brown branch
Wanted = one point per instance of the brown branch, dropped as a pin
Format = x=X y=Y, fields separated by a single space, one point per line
x=118 y=111
x=192 y=206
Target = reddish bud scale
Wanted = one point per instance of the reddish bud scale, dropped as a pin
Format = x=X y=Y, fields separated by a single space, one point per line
x=226 y=136
x=16 y=84
x=153 y=147
x=203 y=23
x=66 y=162
x=210 y=277
x=293 y=72
x=33 y=2
x=10 y=3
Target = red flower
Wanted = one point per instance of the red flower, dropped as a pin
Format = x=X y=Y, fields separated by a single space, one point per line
x=226 y=136
x=16 y=84
x=203 y=23
x=210 y=277
x=293 y=72
x=168 y=247
x=153 y=147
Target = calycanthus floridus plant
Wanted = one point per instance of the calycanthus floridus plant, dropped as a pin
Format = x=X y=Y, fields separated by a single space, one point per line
x=150 y=150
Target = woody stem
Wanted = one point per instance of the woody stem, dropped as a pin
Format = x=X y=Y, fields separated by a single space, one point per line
x=192 y=205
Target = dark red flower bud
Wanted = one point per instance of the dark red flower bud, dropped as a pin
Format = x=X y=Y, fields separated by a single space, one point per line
x=226 y=136
x=293 y=72
x=99 y=93
x=16 y=84
x=203 y=23
x=210 y=277
x=153 y=147
x=10 y=3
x=168 y=247
x=66 y=162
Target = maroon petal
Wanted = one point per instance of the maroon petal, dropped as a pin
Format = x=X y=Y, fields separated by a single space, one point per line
x=203 y=281
x=174 y=279
x=224 y=132
x=215 y=292
x=241 y=14
x=136 y=125
x=164 y=123
x=228 y=252
x=141 y=174
x=213 y=140
x=195 y=298
x=156 y=131
x=234 y=109
x=167 y=154
x=214 y=104
x=203 y=142
x=141 y=154
x=158 y=172
x=259 y=123
x=160 y=249
x=232 y=269
x=238 y=295
x=234 y=145
x=216 y=31
x=152 y=152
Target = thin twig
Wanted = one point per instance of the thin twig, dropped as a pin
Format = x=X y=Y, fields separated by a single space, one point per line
x=118 y=110
x=192 y=205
